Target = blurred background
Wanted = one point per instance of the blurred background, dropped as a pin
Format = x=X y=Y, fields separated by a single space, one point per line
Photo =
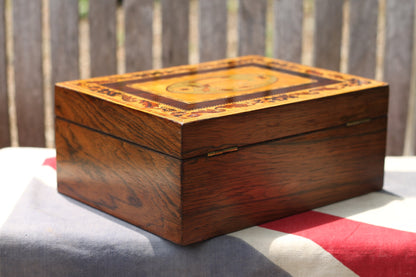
x=46 y=41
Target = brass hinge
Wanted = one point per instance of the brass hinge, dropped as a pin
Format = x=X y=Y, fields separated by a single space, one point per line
x=222 y=151
x=357 y=122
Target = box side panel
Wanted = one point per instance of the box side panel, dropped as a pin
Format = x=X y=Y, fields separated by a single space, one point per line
x=266 y=181
x=135 y=184
x=209 y=135
x=155 y=133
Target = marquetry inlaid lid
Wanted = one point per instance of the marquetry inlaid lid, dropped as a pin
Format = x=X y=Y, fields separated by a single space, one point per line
x=214 y=89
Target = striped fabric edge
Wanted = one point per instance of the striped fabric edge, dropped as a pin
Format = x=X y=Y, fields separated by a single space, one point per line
x=369 y=235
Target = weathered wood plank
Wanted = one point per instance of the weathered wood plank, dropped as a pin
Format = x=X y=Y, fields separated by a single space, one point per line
x=64 y=40
x=28 y=77
x=288 y=19
x=363 y=37
x=328 y=33
x=212 y=30
x=103 y=41
x=252 y=27
x=138 y=26
x=175 y=32
x=4 y=110
x=397 y=69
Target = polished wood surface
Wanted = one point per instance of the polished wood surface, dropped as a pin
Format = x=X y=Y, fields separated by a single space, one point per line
x=192 y=152
x=192 y=110
x=241 y=129
x=119 y=178
x=219 y=88
x=262 y=182
x=190 y=200
x=219 y=85
x=141 y=128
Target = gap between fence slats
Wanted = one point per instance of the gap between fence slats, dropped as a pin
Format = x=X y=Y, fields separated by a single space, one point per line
x=398 y=68
x=138 y=30
x=212 y=30
x=4 y=101
x=175 y=32
x=363 y=37
x=103 y=40
x=288 y=20
x=28 y=73
x=251 y=27
x=328 y=33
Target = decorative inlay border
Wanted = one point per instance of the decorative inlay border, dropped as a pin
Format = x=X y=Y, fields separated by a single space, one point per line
x=114 y=89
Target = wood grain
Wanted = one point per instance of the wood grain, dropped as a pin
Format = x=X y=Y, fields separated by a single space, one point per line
x=222 y=87
x=103 y=40
x=288 y=20
x=158 y=174
x=64 y=18
x=153 y=132
x=212 y=30
x=363 y=38
x=266 y=181
x=175 y=32
x=127 y=181
x=138 y=30
x=251 y=27
x=398 y=68
x=4 y=100
x=328 y=34
x=28 y=77
x=209 y=135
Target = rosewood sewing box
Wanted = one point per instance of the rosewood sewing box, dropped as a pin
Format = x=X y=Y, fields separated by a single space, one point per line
x=195 y=151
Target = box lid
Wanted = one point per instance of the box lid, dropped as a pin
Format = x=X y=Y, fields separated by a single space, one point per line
x=190 y=110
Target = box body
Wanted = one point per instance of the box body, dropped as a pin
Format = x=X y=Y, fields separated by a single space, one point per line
x=193 y=152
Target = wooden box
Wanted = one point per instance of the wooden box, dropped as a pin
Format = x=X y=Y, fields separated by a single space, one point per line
x=192 y=152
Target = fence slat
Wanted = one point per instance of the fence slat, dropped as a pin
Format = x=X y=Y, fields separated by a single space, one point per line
x=212 y=30
x=251 y=27
x=288 y=19
x=27 y=37
x=64 y=40
x=4 y=110
x=363 y=37
x=103 y=41
x=138 y=26
x=397 y=69
x=328 y=33
x=175 y=32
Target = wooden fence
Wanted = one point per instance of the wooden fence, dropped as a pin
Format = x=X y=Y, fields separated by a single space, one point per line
x=45 y=41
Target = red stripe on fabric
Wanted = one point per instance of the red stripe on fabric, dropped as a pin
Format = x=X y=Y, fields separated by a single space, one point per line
x=366 y=249
x=50 y=162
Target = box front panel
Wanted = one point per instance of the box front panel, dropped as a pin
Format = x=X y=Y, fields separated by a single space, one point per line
x=135 y=184
x=266 y=181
